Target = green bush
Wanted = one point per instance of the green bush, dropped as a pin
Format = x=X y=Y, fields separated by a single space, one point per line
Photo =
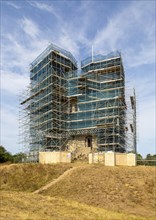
x=150 y=160
x=5 y=155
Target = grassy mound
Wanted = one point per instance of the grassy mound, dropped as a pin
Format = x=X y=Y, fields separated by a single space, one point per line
x=127 y=189
x=85 y=193
x=29 y=177
x=36 y=207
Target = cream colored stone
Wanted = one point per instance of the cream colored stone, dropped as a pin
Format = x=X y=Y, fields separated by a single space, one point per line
x=110 y=159
x=90 y=158
x=95 y=157
x=121 y=159
x=101 y=158
x=79 y=142
x=131 y=159
x=113 y=159
x=54 y=157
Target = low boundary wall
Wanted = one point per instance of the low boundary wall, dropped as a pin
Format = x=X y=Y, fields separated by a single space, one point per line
x=54 y=157
x=113 y=159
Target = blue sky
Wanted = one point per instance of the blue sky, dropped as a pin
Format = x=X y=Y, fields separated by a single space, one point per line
x=27 y=27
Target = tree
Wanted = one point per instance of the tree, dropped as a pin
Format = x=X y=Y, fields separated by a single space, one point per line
x=139 y=157
x=5 y=155
x=19 y=158
x=151 y=159
x=148 y=157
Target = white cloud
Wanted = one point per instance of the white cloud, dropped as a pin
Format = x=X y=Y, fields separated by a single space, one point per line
x=16 y=55
x=108 y=36
x=129 y=31
x=144 y=83
x=45 y=7
x=12 y=4
x=21 y=54
x=13 y=83
x=69 y=43
x=146 y=55
x=69 y=34
x=29 y=27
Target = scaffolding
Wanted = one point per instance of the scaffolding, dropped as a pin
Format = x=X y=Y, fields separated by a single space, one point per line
x=63 y=102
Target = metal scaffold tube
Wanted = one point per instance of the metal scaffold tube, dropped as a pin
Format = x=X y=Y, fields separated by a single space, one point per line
x=63 y=103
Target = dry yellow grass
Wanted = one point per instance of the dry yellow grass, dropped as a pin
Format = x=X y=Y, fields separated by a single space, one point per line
x=29 y=177
x=86 y=193
x=126 y=189
x=27 y=206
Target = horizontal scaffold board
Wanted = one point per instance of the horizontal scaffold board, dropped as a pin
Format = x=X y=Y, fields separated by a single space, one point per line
x=100 y=61
x=32 y=96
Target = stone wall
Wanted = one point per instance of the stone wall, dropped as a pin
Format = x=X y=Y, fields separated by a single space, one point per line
x=54 y=157
x=121 y=159
x=78 y=145
x=113 y=159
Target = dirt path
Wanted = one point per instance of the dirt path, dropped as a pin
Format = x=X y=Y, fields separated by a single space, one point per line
x=66 y=173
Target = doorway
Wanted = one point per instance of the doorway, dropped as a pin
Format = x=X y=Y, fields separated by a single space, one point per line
x=89 y=141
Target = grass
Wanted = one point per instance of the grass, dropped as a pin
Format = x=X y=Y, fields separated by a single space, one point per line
x=126 y=189
x=29 y=177
x=89 y=192
x=37 y=207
